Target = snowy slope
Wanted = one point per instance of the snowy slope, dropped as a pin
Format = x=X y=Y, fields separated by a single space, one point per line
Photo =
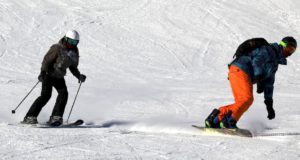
x=153 y=67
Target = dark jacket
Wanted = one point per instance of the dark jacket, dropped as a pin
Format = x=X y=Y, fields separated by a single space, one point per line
x=59 y=58
x=261 y=65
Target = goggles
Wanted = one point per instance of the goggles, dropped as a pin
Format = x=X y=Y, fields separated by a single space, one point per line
x=72 y=42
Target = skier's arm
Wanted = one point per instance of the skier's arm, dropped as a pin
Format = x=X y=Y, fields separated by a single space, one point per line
x=74 y=70
x=49 y=58
x=77 y=74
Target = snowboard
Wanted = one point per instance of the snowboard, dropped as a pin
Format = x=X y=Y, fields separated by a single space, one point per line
x=225 y=131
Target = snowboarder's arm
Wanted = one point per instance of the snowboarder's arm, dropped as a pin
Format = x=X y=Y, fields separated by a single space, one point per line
x=269 y=87
x=268 y=93
x=258 y=61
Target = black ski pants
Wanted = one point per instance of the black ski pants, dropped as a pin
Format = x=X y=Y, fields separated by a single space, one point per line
x=41 y=101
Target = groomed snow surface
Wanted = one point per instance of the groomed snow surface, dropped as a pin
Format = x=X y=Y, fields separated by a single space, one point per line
x=154 y=68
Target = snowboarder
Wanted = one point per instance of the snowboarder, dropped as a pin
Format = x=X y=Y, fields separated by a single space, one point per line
x=60 y=56
x=256 y=67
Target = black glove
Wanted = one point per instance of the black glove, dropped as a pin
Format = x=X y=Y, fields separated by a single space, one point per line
x=42 y=76
x=258 y=78
x=81 y=78
x=271 y=112
x=260 y=87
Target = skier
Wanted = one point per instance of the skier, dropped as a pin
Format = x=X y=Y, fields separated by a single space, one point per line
x=256 y=67
x=60 y=56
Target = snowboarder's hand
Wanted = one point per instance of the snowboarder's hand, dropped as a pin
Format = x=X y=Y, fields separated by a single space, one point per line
x=81 y=78
x=42 y=76
x=271 y=113
x=258 y=78
x=270 y=109
x=260 y=87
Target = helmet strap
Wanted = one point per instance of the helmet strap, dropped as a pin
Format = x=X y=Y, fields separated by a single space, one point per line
x=283 y=44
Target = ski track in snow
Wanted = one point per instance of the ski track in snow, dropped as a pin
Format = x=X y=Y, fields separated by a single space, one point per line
x=154 y=68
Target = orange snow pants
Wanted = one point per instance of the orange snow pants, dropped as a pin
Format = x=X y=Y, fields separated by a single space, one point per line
x=242 y=90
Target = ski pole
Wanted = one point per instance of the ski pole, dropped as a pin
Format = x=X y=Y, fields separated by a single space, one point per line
x=74 y=102
x=14 y=111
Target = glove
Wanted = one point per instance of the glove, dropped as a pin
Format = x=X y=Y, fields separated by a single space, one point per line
x=260 y=87
x=81 y=78
x=271 y=112
x=42 y=76
x=258 y=78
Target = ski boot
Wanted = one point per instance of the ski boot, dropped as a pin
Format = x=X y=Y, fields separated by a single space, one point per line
x=212 y=121
x=29 y=120
x=55 y=121
x=228 y=122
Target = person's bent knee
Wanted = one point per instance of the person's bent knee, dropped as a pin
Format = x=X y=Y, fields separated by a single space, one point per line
x=246 y=100
x=63 y=92
x=45 y=97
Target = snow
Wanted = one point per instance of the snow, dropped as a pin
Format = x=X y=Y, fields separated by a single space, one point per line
x=154 y=68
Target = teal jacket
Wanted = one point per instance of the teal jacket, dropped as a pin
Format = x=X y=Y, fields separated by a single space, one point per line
x=261 y=65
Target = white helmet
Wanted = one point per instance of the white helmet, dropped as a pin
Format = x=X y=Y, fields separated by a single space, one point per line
x=72 y=34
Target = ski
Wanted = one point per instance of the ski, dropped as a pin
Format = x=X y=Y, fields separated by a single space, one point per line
x=76 y=123
x=23 y=125
x=64 y=125
x=225 y=131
